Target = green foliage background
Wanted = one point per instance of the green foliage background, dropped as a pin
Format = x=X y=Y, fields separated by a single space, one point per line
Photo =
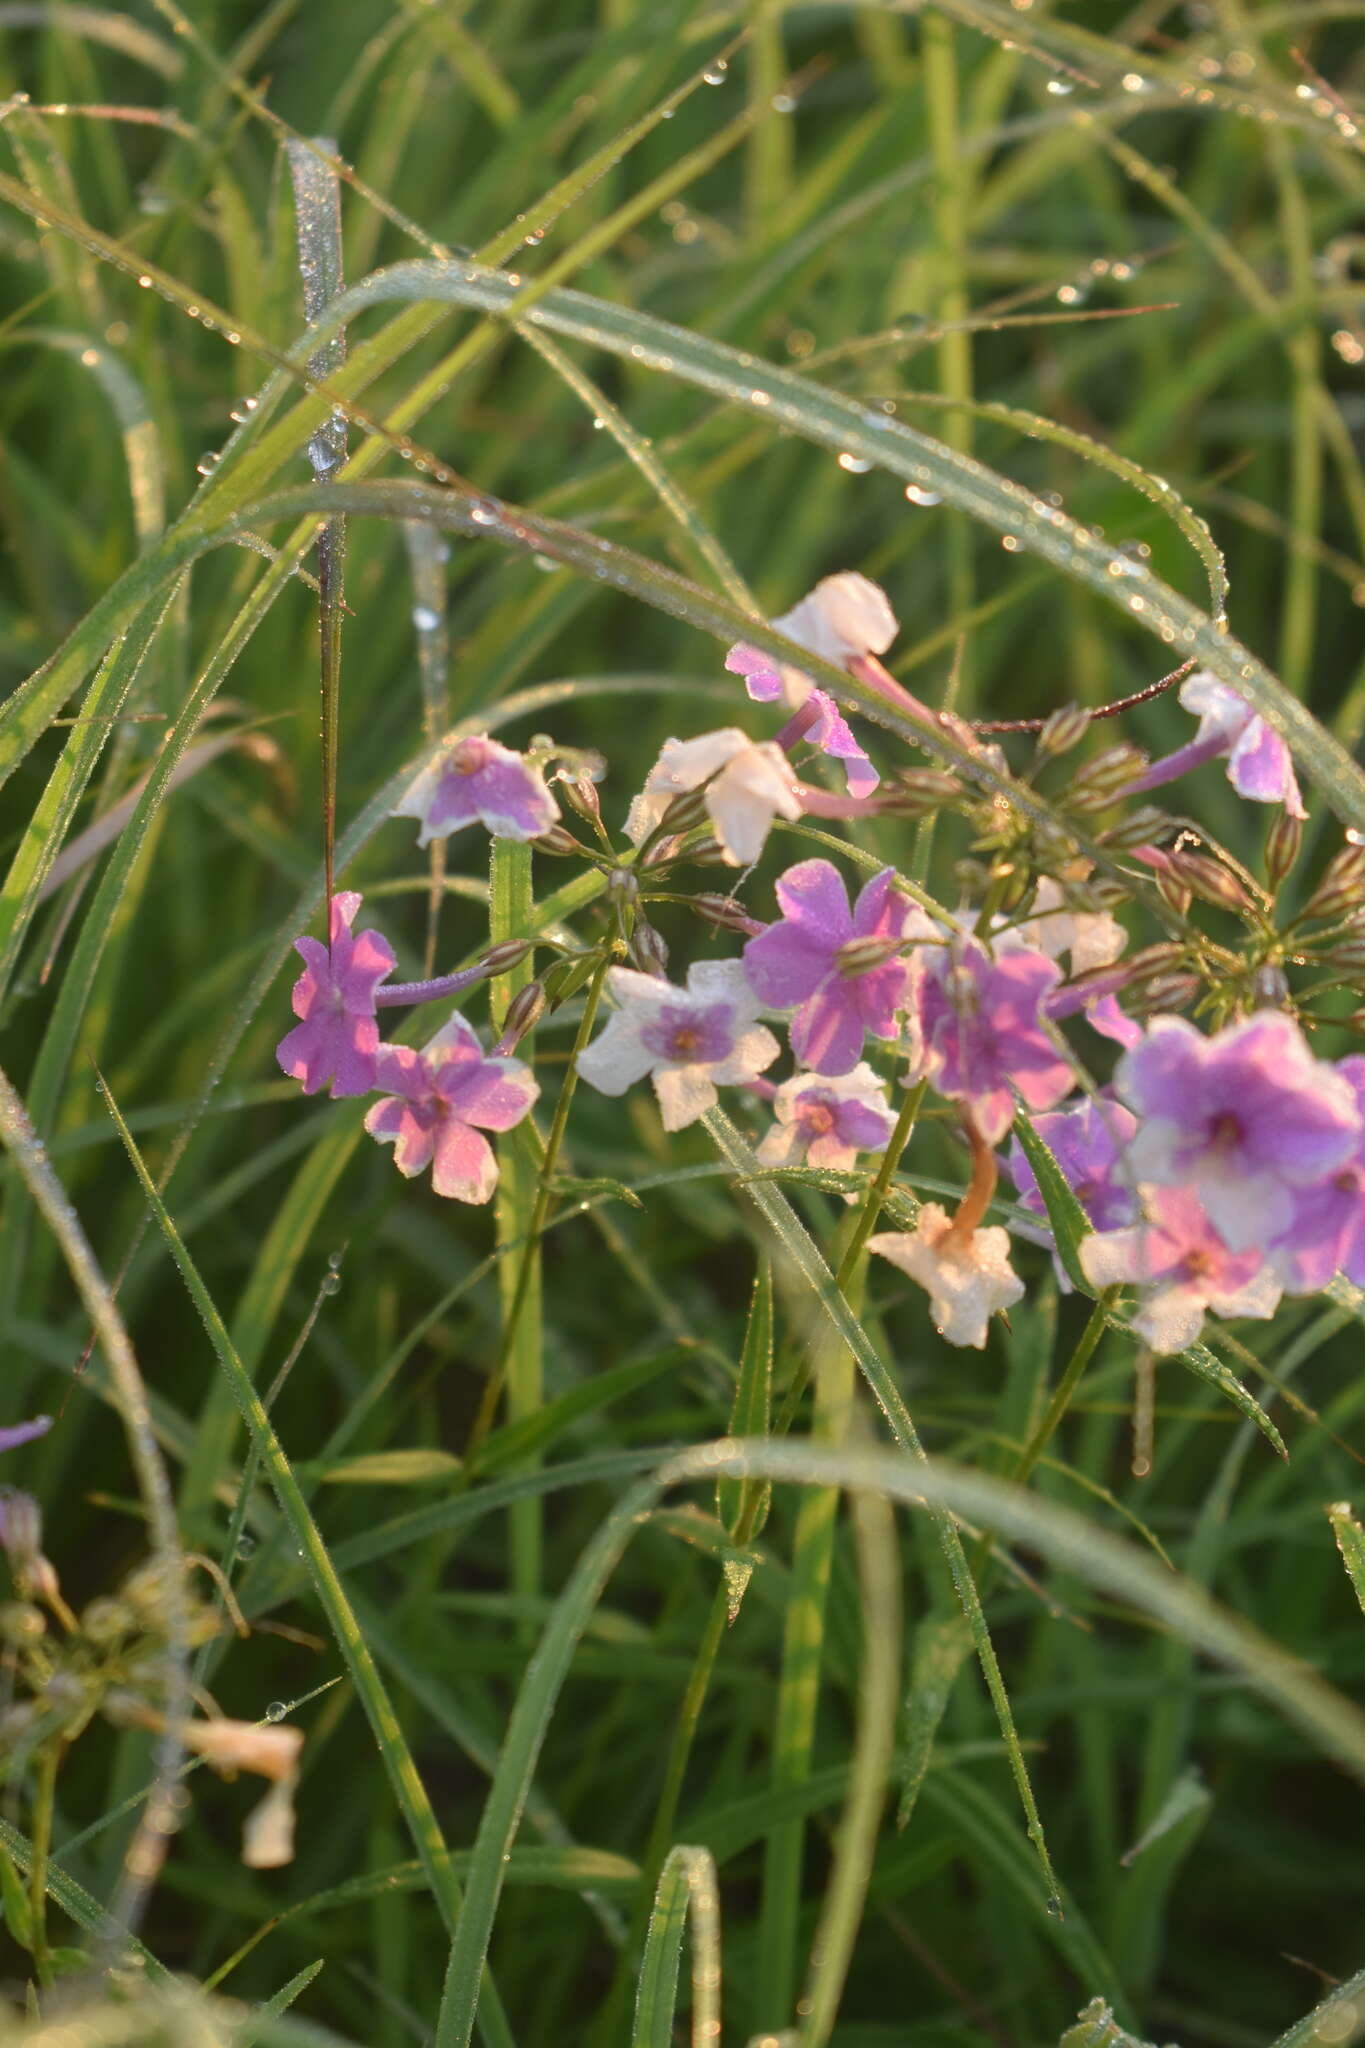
x=1140 y=223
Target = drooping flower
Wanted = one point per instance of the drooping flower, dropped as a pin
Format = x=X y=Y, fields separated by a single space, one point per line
x=828 y=1121
x=818 y=718
x=1184 y=1267
x=844 y=619
x=443 y=1099
x=478 y=779
x=337 y=1038
x=968 y=1275
x=688 y=1040
x=272 y=1752
x=1088 y=1143
x=1243 y=1119
x=834 y=965
x=981 y=1034
x=747 y=784
x=1326 y=1233
x=1260 y=765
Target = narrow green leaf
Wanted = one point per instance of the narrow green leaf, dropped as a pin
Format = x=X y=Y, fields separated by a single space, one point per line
x=941 y=1643
x=1351 y=1543
x=1068 y=1219
x=393 y=1468
x=687 y=1884
x=752 y=1408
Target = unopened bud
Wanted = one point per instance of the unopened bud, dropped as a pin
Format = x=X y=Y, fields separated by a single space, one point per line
x=21 y=1623
x=1099 y=781
x=524 y=1012
x=1342 y=886
x=860 y=956
x=1348 y=957
x=507 y=954
x=1064 y=729
x=1210 y=880
x=1282 y=844
x=1165 y=992
x=661 y=851
x=709 y=853
x=725 y=914
x=558 y=840
x=915 y=792
x=648 y=949
x=105 y=1621
x=1172 y=893
x=686 y=810
x=623 y=884
x=1154 y=960
x=1270 y=986
x=581 y=796
x=1145 y=826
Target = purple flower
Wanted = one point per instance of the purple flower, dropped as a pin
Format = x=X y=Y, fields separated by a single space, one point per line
x=843 y=620
x=1260 y=765
x=688 y=1040
x=818 y=718
x=822 y=959
x=981 y=1031
x=1243 y=1120
x=24 y=1432
x=1327 y=1230
x=439 y=1096
x=1087 y=1142
x=1184 y=1267
x=337 y=1037
x=828 y=1122
x=477 y=779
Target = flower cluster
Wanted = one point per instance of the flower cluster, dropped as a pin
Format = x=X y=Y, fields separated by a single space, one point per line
x=1218 y=1168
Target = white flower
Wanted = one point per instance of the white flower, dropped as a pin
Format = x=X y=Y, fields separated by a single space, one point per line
x=967 y=1279
x=828 y=1119
x=688 y=1040
x=844 y=618
x=1092 y=938
x=272 y=1751
x=748 y=784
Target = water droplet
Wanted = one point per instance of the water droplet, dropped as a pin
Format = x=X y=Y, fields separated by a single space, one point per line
x=1060 y=87
x=919 y=496
x=484 y=512
x=208 y=462
x=1010 y=542
x=545 y=562
x=760 y=398
x=246 y=1544
x=1054 y=1907
x=1133 y=81
x=425 y=619
x=783 y=103
x=714 y=74
x=276 y=1711
x=331 y=1284
x=858 y=465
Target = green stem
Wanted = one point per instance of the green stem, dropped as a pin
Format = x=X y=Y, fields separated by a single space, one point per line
x=44 y=1801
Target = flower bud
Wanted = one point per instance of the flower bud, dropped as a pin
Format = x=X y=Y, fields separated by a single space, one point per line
x=1163 y=958
x=708 y=853
x=914 y=792
x=1210 y=880
x=1165 y=992
x=648 y=949
x=725 y=914
x=581 y=796
x=1099 y=781
x=507 y=954
x=1064 y=729
x=104 y=1621
x=623 y=885
x=1270 y=986
x=1342 y=886
x=1172 y=893
x=1282 y=844
x=686 y=809
x=524 y=1012
x=1349 y=956
x=661 y=851
x=21 y=1623
x=1145 y=826
x=566 y=977
x=558 y=839
x=860 y=956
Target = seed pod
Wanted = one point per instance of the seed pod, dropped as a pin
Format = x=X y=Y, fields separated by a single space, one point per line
x=1210 y=880
x=1349 y=956
x=524 y=1012
x=558 y=840
x=1064 y=729
x=507 y=954
x=1172 y=893
x=686 y=810
x=725 y=914
x=1270 y=986
x=860 y=956
x=581 y=796
x=1342 y=886
x=648 y=949
x=1282 y=844
x=914 y=792
x=1099 y=781
x=709 y=853
x=1145 y=826
x=1166 y=992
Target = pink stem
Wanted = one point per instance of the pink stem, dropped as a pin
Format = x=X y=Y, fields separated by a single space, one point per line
x=405 y=992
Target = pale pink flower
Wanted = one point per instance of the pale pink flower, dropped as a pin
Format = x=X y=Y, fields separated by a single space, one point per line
x=1183 y=1266
x=689 y=1041
x=747 y=784
x=443 y=1099
x=828 y=1120
x=968 y=1278
x=476 y=779
x=337 y=1038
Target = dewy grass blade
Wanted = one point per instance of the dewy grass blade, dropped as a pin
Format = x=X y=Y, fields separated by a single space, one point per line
x=687 y=1888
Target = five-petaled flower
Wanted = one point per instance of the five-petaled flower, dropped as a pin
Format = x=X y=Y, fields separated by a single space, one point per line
x=828 y=1121
x=1260 y=765
x=443 y=1099
x=688 y=1040
x=1088 y=1144
x=838 y=968
x=1326 y=1233
x=1183 y=1266
x=1242 y=1120
x=337 y=1038
x=968 y=1274
x=477 y=779
x=980 y=1031
x=745 y=785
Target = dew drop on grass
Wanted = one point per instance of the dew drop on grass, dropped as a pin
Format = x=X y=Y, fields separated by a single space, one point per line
x=715 y=74
x=246 y=1544
x=425 y=619
x=857 y=465
x=276 y=1711
x=483 y=512
x=917 y=495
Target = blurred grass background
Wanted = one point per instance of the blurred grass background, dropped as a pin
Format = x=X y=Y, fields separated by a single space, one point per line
x=1140 y=222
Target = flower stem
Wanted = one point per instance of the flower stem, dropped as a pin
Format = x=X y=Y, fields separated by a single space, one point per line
x=44 y=1800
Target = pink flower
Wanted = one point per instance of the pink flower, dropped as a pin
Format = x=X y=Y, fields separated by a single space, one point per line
x=980 y=1026
x=1260 y=765
x=842 y=620
x=337 y=1038
x=688 y=1040
x=967 y=1276
x=1087 y=1142
x=477 y=779
x=1243 y=1120
x=440 y=1095
x=1326 y=1233
x=828 y=1122
x=1183 y=1266
x=822 y=959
